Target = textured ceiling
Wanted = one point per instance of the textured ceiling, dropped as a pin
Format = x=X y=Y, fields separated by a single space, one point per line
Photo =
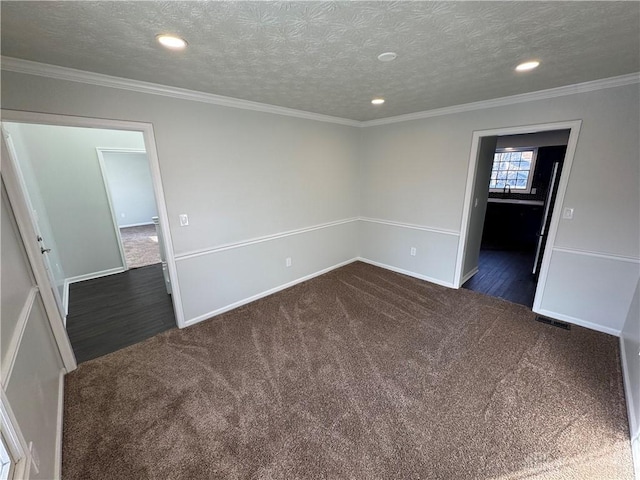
x=321 y=56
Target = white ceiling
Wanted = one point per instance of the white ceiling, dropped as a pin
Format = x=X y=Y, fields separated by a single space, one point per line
x=321 y=56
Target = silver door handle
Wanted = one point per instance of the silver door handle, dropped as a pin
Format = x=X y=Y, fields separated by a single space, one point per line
x=44 y=250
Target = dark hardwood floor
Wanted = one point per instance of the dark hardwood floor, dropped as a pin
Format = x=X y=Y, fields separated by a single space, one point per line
x=505 y=274
x=113 y=312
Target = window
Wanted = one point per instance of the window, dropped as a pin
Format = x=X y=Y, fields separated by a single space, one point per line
x=513 y=170
x=6 y=465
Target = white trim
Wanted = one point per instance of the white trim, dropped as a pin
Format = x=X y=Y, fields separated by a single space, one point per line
x=17 y=65
x=92 y=275
x=154 y=165
x=10 y=355
x=633 y=420
x=21 y=184
x=469 y=275
x=574 y=126
x=57 y=465
x=265 y=238
x=635 y=453
x=105 y=181
x=576 y=321
x=583 y=87
x=65 y=299
x=406 y=272
x=141 y=224
x=219 y=311
x=590 y=253
x=412 y=226
x=23 y=218
x=16 y=443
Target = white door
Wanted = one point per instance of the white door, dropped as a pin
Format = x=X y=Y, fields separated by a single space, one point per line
x=44 y=245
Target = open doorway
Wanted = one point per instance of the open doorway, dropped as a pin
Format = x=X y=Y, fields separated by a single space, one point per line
x=516 y=183
x=132 y=201
x=523 y=184
x=107 y=302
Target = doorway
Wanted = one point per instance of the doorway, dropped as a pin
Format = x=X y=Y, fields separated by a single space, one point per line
x=129 y=188
x=522 y=190
x=516 y=183
x=104 y=270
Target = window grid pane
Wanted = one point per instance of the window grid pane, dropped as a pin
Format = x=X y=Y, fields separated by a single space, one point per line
x=511 y=170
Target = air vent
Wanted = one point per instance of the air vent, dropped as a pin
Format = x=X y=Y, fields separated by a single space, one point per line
x=555 y=323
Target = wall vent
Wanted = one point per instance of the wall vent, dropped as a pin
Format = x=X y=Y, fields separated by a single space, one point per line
x=555 y=323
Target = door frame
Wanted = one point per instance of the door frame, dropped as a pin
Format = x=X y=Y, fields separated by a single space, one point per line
x=100 y=152
x=574 y=127
x=21 y=185
x=147 y=131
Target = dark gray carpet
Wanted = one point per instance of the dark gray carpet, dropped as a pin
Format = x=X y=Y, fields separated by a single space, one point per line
x=358 y=374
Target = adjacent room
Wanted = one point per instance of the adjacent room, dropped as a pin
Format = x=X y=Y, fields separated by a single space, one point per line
x=320 y=240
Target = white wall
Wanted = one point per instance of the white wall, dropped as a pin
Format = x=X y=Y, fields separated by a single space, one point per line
x=67 y=172
x=241 y=175
x=238 y=174
x=414 y=173
x=31 y=364
x=479 y=195
x=131 y=187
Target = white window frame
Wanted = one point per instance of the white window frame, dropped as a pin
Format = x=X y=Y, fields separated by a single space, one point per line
x=13 y=440
x=532 y=169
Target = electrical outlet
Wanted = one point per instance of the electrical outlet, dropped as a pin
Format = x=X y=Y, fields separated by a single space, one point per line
x=413 y=251
x=184 y=219
x=287 y=261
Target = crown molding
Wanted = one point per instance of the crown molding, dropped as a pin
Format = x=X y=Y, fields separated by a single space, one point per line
x=591 y=86
x=28 y=67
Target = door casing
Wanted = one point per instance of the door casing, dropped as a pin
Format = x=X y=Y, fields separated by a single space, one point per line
x=574 y=127
x=10 y=177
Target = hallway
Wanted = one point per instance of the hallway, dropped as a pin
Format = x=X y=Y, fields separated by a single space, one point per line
x=505 y=274
x=113 y=312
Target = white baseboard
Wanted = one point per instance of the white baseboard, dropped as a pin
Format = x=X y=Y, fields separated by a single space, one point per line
x=635 y=453
x=135 y=225
x=59 y=425
x=437 y=281
x=577 y=321
x=633 y=416
x=91 y=276
x=468 y=276
x=219 y=311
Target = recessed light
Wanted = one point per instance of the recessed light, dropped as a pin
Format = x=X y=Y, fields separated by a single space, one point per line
x=526 y=66
x=377 y=101
x=387 y=56
x=171 y=41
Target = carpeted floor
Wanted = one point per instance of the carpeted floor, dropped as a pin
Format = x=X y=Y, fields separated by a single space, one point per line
x=358 y=374
x=140 y=245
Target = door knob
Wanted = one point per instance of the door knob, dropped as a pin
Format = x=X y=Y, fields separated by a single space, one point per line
x=44 y=250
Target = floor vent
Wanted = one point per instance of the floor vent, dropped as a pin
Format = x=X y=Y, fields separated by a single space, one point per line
x=555 y=323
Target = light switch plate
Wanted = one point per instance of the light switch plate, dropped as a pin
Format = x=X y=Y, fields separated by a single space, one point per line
x=567 y=213
x=184 y=220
